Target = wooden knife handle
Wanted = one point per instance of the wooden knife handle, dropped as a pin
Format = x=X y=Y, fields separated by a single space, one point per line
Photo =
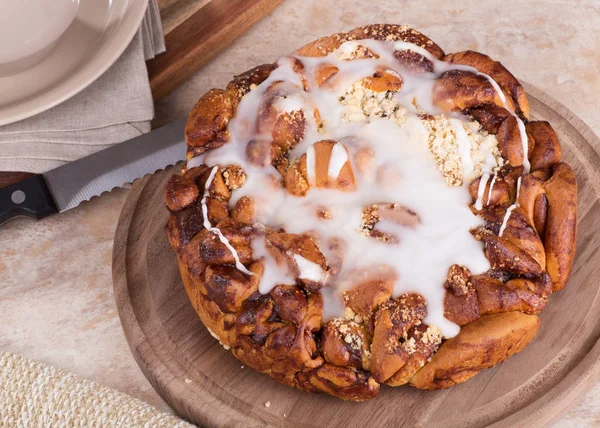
x=30 y=197
x=7 y=177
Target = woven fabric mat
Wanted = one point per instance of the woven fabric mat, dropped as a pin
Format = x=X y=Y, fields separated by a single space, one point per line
x=33 y=394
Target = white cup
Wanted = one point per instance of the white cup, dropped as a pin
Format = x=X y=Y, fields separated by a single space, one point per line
x=29 y=29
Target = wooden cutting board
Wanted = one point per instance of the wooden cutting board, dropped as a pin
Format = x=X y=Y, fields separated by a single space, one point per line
x=195 y=31
x=208 y=386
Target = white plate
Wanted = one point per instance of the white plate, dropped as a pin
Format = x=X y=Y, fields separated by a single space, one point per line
x=98 y=36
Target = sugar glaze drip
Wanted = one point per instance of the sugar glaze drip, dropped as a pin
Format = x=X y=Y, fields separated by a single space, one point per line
x=489 y=195
x=511 y=208
x=206 y=223
x=520 y=124
x=482 y=183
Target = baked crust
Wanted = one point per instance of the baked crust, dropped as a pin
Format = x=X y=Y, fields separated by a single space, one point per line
x=479 y=345
x=283 y=334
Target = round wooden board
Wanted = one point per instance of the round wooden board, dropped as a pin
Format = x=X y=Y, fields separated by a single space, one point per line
x=208 y=386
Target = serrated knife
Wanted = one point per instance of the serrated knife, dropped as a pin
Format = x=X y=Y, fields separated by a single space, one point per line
x=67 y=186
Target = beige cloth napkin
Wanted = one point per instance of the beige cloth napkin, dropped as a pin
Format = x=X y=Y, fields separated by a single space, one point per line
x=33 y=394
x=116 y=107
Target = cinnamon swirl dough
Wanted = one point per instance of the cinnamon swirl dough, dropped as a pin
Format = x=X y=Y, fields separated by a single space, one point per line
x=371 y=210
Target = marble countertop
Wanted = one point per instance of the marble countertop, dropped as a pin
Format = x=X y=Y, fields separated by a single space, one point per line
x=56 y=294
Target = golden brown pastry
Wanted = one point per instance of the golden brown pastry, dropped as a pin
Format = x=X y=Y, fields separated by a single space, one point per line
x=371 y=210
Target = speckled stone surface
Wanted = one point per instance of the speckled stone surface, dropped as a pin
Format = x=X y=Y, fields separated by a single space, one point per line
x=56 y=296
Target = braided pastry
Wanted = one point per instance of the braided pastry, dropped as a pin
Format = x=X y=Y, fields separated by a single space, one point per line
x=372 y=211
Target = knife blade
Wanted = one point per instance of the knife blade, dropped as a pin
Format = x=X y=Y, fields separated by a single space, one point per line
x=67 y=186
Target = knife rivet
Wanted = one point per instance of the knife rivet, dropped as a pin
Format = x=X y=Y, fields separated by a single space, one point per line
x=18 y=197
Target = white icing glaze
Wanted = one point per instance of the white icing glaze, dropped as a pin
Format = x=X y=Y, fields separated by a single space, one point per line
x=273 y=273
x=482 y=183
x=194 y=162
x=289 y=104
x=490 y=160
x=523 y=132
x=464 y=148
x=339 y=157
x=511 y=208
x=209 y=180
x=311 y=165
x=489 y=196
x=309 y=270
x=520 y=124
x=419 y=261
x=506 y=217
x=497 y=88
x=216 y=230
x=224 y=240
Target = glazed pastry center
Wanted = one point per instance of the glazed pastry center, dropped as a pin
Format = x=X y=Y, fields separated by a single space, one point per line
x=388 y=175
